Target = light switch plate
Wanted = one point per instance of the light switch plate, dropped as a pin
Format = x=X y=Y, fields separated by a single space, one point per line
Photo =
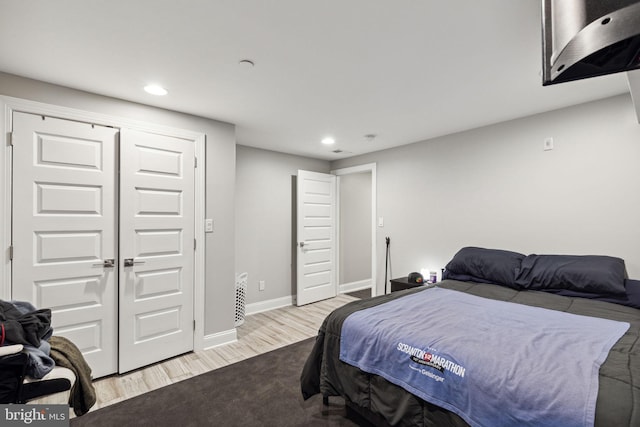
x=208 y=225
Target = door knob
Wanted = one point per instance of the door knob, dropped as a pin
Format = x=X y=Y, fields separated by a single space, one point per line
x=106 y=263
x=129 y=262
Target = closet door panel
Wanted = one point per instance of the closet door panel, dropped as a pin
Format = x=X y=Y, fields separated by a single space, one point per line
x=156 y=247
x=64 y=222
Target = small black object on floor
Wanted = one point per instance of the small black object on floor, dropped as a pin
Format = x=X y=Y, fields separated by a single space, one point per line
x=362 y=293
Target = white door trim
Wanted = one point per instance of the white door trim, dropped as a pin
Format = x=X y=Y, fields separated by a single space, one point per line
x=10 y=104
x=369 y=167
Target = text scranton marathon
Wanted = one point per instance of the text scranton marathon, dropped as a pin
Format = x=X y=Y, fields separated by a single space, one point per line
x=433 y=358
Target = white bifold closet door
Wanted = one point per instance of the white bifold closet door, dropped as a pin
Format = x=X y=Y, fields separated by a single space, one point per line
x=64 y=230
x=156 y=248
x=115 y=269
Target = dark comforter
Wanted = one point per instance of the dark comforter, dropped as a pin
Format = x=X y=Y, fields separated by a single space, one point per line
x=618 y=401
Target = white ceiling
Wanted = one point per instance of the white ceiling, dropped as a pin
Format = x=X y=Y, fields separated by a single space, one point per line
x=405 y=70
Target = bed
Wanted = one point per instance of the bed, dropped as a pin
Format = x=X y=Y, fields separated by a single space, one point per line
x=559 y=287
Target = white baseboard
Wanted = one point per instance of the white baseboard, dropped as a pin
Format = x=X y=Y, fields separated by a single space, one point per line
x=272 y=304
x=259 y=307
x=355 y=286
x=220 y=338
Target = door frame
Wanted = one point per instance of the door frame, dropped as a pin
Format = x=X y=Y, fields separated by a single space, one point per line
x=368 y=167
x=10 y=104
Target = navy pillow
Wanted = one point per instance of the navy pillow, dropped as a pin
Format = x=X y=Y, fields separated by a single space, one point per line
x=633 y=292
x=596 y=274
x=484 y=266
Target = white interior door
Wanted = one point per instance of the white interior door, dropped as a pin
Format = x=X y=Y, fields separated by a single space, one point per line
x=156 y=248
x=316 y=232
x=64 y=226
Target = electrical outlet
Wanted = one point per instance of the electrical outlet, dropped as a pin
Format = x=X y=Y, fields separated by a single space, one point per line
x=261 y=285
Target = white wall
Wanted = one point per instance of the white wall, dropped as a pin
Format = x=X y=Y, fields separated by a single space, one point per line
x=495 y=187
x=355 y=227
x=220 y=176
x=265 y=217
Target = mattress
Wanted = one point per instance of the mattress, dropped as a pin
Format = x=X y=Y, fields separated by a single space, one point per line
x=618 y=398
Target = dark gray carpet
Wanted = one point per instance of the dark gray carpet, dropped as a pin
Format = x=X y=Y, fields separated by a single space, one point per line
x=261 y=391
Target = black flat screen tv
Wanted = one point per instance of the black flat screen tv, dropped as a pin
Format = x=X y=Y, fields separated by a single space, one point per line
x=589 y=38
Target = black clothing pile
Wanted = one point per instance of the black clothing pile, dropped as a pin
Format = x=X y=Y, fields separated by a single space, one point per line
x=28 y=328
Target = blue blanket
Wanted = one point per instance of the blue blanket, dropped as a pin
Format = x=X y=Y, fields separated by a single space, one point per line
x=494 y=363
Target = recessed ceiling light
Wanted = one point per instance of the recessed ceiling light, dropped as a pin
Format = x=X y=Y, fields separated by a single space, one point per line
x=328 y=141
x=155 y=90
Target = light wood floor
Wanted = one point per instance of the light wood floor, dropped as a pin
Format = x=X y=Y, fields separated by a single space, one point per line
x=260 y=333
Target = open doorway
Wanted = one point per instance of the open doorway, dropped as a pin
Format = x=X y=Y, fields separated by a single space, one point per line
x=356 y=213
